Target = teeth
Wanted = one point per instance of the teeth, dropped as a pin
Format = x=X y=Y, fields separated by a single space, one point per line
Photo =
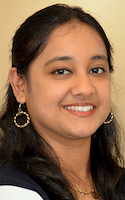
x=79 y=108
x=72 y=107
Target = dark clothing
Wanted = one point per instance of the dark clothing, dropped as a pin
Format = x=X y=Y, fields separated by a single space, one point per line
x=10 y=176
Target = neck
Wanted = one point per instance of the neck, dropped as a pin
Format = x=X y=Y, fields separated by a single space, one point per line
x=74 y=156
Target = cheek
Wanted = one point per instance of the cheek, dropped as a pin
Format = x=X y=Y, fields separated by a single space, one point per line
x=54 y=91
x=105 y=95
x=46 y=94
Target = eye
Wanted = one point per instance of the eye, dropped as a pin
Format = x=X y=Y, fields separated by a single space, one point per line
x=97 y=70
x=61 y=71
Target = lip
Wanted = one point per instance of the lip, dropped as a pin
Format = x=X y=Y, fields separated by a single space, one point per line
x=81 y=113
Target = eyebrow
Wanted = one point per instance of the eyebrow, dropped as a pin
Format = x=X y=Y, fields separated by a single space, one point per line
x=68 y=58
x=58 y=58
x=99 y=57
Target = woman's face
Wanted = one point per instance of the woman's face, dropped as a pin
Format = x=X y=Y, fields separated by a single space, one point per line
x=68 y=93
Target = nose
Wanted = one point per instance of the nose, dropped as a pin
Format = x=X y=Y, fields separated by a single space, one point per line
x=83 y=85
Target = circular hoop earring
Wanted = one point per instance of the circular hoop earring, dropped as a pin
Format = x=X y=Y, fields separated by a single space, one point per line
x=20 y=112
x=112 y=116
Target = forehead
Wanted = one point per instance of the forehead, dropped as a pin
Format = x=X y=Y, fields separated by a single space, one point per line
x=74 y=37
x=73 y=29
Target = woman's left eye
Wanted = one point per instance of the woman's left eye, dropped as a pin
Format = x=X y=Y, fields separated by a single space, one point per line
x=61 y=72
x=97 y=70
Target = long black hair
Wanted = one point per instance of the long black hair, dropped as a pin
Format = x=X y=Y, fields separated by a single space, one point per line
x=25 y=148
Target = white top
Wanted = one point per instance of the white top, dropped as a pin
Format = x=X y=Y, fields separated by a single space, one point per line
x=9 y=192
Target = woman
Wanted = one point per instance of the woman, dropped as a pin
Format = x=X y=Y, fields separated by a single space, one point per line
x=58 y=134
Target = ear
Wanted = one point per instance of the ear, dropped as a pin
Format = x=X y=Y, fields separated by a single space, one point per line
x=18 y=84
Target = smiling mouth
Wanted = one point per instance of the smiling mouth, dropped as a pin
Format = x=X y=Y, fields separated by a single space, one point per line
x=80 y=108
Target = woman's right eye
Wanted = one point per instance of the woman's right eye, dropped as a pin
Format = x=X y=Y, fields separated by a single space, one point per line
x=61 y=71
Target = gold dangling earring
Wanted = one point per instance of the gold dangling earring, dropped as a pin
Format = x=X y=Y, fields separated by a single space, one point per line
x=112 y=116
x=19 y=114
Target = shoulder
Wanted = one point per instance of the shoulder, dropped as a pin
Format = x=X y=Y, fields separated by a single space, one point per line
x=8 y=192
x=15 y=184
